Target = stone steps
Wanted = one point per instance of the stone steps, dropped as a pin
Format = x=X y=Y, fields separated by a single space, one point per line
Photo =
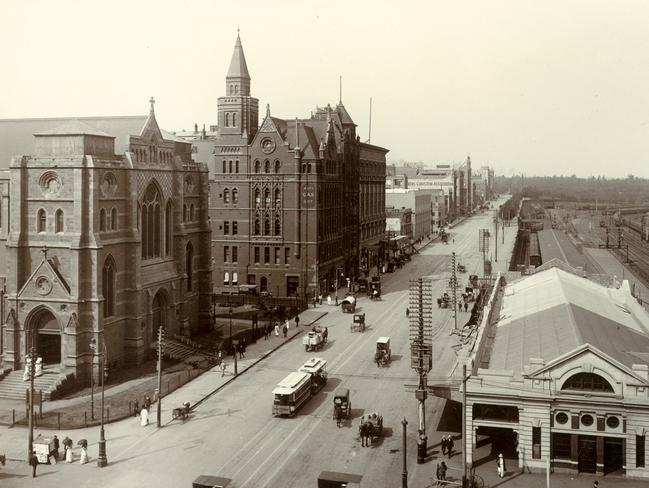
x=13 y=387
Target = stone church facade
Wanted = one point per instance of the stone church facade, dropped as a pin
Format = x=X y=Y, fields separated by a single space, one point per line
x=103 y=247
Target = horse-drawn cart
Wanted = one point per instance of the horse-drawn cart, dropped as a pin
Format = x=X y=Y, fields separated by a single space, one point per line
x=383 y=354
x=358 y=324
x=371 y=426
x=342 y=404
x=349 y=304
x=181 y=412
x=315 y=339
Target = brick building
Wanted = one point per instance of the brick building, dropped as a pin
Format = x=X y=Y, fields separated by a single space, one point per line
x=294 y=203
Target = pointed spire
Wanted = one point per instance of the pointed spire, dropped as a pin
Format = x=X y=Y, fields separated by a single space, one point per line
x=152 y=102
x=268 y=110
x=238 y=67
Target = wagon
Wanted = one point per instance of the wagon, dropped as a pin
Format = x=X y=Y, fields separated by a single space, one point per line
x=313 y=341
x=342 y=403
x=181 y=412
x=373 y=422
x=349 y=304
x=383 y=354
x=44 y=449
x=358 y=324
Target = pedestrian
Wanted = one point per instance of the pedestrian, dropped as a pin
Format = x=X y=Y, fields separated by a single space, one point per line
x=501 y=465
x=595 y=484
x=459 y=306
x=466 y=306
x=84 y=454
x=315 y=302
x=144 y=417
x=33 y=462
x=39 y=367
x=285 y=330
x=147 y=402
x=28 y=367
x=442 y=473
x=443 y=444
x=320 y=298
x=407 y=312
x=136 y=408
x=242 y=350
x=297 y=321
x=244 y=342
x=67 y=446
x=287 y=324
x=222 y=369
x=449 y=446
x=55 y=440
x=276 y=329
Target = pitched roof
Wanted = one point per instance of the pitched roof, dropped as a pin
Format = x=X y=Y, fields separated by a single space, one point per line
x=238 y=67
x=344 y=115
x=554 y=312
x=74 y=127
x=17 y=135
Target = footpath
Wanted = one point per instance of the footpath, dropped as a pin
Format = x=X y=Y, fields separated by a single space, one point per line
x=120 y=434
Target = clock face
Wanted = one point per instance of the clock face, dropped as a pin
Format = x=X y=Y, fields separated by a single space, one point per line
x=268 y=146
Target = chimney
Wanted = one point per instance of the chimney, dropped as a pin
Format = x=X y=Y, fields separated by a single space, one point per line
x=195 y=128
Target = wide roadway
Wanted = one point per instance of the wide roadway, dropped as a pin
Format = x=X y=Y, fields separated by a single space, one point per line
x=234 y=435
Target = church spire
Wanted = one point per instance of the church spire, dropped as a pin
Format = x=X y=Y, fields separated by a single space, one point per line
x=238 y=78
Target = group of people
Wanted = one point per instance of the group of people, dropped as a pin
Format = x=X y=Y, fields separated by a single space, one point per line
x=54 y=455
x=144 y=411
x=441 y=473
x=38 y=367
x=447 y=445
x=275 y=326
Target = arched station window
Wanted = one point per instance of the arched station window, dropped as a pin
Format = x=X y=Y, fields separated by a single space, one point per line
x=587 y=382
x=58 y=221
x=151 y=231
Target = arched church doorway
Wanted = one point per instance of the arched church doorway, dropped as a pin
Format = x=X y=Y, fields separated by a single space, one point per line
x=44 y=334
x=159 y=314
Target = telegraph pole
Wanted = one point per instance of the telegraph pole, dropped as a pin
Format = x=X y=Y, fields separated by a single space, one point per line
x=32 y=360
x=496 y=239
x=404 y=474
x=421 y=347
x=464 y=440
x=453 y=285
x=160 y=346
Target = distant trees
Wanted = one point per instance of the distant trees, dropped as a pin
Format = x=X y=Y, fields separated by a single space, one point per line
x=629 y=190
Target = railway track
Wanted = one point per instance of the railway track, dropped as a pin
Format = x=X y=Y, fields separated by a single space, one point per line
x=638 y=251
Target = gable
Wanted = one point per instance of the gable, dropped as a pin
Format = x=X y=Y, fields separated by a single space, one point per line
x=45 y=281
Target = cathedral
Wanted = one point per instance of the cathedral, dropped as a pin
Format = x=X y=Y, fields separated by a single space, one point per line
x=102 y=248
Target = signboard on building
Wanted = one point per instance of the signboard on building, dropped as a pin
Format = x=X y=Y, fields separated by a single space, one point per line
x=308 y=195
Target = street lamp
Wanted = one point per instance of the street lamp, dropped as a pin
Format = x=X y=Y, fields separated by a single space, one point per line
x=102 y=460
x=234 y=352
x=32 y=359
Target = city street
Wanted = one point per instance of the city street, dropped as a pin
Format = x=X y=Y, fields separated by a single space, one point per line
x=233 y=434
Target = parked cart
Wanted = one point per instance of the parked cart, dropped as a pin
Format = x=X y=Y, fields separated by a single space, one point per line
x=358 y=324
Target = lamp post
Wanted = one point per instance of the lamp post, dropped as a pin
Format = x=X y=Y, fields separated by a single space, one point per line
x=234 y=352
x=102 y=460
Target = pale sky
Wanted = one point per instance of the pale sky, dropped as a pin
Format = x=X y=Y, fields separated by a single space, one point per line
x=541 y=87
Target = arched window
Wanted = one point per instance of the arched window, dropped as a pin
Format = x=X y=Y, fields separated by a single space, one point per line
x=227 y=119
x=267 y=166
x=263 y=284
x=236 y=166
x=168 y=227
x=257 y=225
x=257 y=197
x=58 y=221
x=41 y=220
x=278 y=227
x=151 y=231
x=277 y=166
x=257 y=166
x=278 y=199
x=234 y=119
x=226 y=196
x=185 y=215
x=266 y=198
x=113 y=219
x=587 y=382
x=191 y=212
x=108 y=286
x=230 y=166
x=236 y=89
x=102 y=220
x=235 y=195
x=224 y=166
x=266 y=226
x=189 y=256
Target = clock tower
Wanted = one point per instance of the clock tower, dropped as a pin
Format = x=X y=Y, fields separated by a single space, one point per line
x=238 y=112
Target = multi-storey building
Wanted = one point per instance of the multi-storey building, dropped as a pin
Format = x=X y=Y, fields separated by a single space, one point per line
x=294 y=203
x=103 y=247
x=420 y=203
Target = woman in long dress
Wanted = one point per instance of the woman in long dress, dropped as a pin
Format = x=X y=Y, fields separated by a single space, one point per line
x=84 y=455
x=144 y=417
x=68 y=454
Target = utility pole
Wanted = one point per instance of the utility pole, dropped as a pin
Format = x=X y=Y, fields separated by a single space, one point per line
x=496 y=239
x=404 y=474
x=421 y=347
x=32 y=360
x=102 y=460
x=160 y=346
x=464 y=439
x=453 y=285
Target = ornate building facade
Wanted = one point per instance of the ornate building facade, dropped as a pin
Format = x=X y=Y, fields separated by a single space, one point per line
x=292 y=202
x=103 y=248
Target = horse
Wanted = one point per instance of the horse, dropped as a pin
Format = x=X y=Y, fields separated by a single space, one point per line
x=339 y=415
x=325 y=334
x=365 y=430
x=378 y=358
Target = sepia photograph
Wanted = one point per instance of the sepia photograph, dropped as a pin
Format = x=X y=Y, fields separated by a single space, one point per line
x=324 y=244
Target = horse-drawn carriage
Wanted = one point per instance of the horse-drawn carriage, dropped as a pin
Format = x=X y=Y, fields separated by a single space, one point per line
x=342 y=405
x=461 y=268
x=469 y=295
x=383 y=354
x=181 y=412
x=315 y=339
x=371 y=426
x=358 y=324
x=375 y=288
x=349 y=304
x=444 y=301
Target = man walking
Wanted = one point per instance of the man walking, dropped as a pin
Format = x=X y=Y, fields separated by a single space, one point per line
x=501 y=465
x=33 y=462
x=466 y=306
x=443 y=444
x=56 y=447
x=449 y=446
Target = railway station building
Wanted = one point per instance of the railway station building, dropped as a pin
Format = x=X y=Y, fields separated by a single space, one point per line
x=561 y=372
